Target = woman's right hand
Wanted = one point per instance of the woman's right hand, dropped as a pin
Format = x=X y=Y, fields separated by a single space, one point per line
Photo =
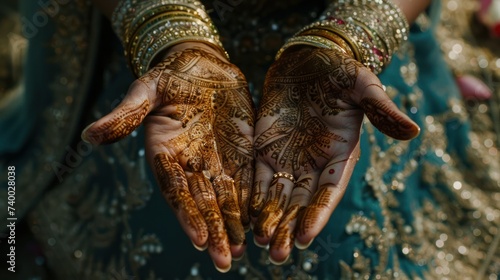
x=199 y=121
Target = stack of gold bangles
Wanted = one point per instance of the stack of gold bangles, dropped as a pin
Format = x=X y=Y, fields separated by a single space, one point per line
x=368 y=30
x=148 y=27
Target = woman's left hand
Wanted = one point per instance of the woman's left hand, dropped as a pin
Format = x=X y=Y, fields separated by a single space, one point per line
x=307 y=142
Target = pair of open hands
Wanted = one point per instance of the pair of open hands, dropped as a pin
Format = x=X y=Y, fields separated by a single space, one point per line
x=222 y=170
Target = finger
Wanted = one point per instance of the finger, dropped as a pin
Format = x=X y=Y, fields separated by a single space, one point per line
x=204 y=196
x=234 y=131
x=243 y=179
x=277 y=201
x=382 y=112
x=472 y=88
x=124 y=119
x=237 y=158
x=174 y=187
x=228 y=204
x=331 y=187
x=283 y=239
x=263 y=177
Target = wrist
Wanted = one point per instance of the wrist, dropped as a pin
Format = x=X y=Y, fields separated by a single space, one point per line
x=368 y=30
x=187 y=45
x=150 y=29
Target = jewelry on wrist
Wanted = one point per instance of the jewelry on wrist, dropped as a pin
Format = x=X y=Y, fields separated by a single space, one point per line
x=148 y=27
x=330 y=36
x=371 y=30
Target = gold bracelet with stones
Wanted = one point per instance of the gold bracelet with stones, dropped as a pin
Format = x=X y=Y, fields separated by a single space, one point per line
x=372 y=30
x=147 y=28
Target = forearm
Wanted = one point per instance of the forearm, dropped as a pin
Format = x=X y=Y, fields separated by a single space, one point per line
x=106 y=6
x=412 y=8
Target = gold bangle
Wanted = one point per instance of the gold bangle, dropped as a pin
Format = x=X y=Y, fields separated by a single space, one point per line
x=148 y=27
x=372 y=30
x=155 y=37
x=156 y=10
x=329 y=36
x=310 y=40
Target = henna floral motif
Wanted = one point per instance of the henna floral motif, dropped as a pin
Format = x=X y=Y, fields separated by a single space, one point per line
x=174 y=187
x=320 y=201
x=283 y=239
x=387 y=120
x=199 y=121
x=299 y=138
x=214 y=108
x=273 y=210
x=122 y=124
x=258 y=198
x=309 y=123
x=227 y=200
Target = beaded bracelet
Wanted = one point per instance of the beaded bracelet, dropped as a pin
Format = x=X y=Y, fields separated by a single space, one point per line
x=152 y=39
x=372 y=30
x=148 y=27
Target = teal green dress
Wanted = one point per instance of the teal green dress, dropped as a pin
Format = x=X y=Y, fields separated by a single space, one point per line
x=412 y=210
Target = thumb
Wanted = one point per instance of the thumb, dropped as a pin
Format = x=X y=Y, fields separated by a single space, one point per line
x=383 y=113
x=124 y=119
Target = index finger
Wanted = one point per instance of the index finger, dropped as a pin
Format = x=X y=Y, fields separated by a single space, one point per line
x=332 y=185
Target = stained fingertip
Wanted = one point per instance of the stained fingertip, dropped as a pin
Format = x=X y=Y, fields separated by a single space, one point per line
x=235 y=231
x=302 y=245
x=409 y=132
x=84 y=136
x=200 y=248
x=414 y=133
x=385 y=115
x=257 y=200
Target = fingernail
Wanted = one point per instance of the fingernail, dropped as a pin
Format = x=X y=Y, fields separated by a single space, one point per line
x=222 y=270
x=246 y=228
x=264 y=246
x=84 y=133
x=200 y=248
x=301 y=246
x=239 y=258
x=277 y=262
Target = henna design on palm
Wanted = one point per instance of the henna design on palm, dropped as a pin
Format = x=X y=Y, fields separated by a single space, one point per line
x=308 y=125
x=199 y=119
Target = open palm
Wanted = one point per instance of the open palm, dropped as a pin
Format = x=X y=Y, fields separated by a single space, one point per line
x=199 y=121
x=307 y=142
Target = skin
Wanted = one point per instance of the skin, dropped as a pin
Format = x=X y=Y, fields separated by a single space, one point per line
x=199 y=139
x=199 y=118
x=309 y=125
